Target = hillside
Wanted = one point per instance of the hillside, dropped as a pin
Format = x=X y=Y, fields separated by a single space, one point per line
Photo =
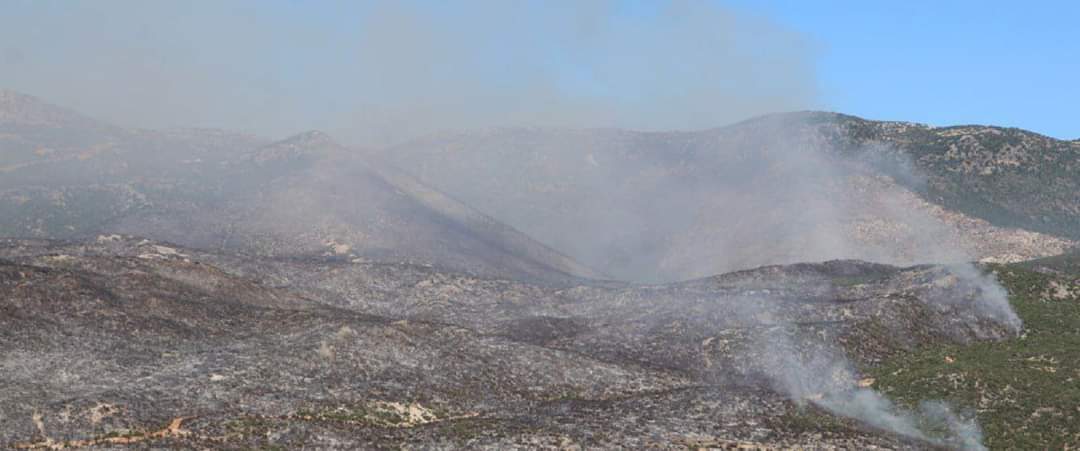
x=796 y=280
x=1024 y=388
x=126 y=340
x=635 y=206
x=776 y=189
x=1008 y=176
x=304 y=195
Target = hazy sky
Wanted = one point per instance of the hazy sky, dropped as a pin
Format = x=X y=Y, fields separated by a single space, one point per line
x=379 y=70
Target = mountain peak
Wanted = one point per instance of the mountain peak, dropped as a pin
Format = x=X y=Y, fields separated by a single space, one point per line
x=17 y=108
x=7 y=94
x=309 y=138
x=301 y=145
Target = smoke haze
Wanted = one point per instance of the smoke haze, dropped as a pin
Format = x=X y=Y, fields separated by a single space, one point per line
x=380 y=71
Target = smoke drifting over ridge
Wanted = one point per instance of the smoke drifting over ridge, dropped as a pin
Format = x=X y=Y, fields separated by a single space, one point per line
x=385 y=71
x=381 y=71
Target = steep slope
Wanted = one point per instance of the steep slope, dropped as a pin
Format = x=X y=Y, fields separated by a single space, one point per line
x=776 y=189
x=307 y=195
x=207 y=188
x=122 y=338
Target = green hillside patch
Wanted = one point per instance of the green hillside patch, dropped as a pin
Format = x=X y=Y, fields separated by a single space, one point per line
x=1025 y=391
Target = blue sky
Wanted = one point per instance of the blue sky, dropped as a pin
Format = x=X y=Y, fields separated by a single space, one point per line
x=401 y=67
x=944 y=62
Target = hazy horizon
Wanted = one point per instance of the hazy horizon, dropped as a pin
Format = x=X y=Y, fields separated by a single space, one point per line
x=376 y=72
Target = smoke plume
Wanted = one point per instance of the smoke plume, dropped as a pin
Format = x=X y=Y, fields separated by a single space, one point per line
x=825 y=378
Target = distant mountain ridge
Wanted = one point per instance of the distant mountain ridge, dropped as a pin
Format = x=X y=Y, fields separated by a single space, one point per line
x=26 y=110
x=209 y=289
x=69 y=177
x=1008 y=176
x=645 y=206
x=639 y=203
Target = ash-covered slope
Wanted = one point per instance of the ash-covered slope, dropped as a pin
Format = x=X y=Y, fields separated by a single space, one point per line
x=777 y=189
x=307 y=195
x=66 y=176
x=63 y=175
x=123 y=340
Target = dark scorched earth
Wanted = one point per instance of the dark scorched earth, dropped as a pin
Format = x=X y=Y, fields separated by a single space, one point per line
x=124 y=341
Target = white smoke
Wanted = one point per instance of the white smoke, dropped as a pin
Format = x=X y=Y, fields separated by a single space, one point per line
x=826 y=379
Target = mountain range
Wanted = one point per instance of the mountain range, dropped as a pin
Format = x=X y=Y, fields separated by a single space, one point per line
x=776 y=189
x=70 y=177
x=595 y=203
x=810 y=280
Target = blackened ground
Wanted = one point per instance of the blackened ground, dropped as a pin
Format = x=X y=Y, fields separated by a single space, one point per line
x=123 y=341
